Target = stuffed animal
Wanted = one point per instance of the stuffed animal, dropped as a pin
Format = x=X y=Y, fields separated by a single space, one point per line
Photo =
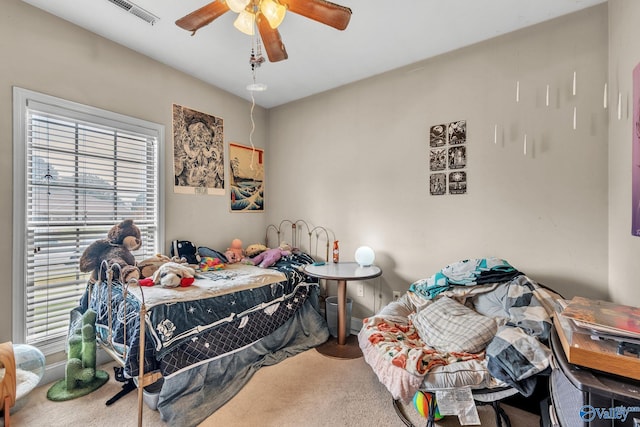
x=285 y=246
x=149 y=266
x=115 y=250
x=231 y=257
x=185 y=249
x=235 y=253
x=269 y=257
x=173 y=274
x=255 y=249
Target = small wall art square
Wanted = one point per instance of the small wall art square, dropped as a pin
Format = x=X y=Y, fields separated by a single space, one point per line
x=246 y=165
x=448 y=158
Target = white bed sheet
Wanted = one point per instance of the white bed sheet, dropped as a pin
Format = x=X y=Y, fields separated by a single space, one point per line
x=233 y=278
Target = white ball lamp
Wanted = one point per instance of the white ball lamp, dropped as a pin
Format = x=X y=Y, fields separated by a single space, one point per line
x=365 y=256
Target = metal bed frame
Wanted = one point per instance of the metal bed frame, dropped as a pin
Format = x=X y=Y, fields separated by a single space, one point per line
x=296 y=233
x=144 y=379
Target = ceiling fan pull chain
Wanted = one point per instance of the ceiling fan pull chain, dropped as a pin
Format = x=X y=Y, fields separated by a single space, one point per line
x=256 y=59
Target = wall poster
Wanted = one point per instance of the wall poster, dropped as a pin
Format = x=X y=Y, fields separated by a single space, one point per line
x=635 y=155
x=447 y=156
x=198 y=152
x=246 y=165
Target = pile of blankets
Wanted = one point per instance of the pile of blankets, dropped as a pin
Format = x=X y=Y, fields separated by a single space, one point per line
x=517 y=353
x=468 y=272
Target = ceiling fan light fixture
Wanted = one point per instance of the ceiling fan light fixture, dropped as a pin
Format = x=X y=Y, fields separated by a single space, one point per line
x=238 y=5
x=274 y=12
x=265 y=16
x=245 y=22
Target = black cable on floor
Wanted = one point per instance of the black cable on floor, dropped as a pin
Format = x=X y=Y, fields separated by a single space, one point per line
x=400 y=414
x=405 y=420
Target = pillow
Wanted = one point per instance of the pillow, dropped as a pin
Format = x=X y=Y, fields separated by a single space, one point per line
x=472 y=373
x=204 y=251
x=448 y=326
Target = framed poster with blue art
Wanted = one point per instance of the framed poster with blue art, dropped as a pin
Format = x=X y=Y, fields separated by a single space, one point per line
x=635 y=155
x=247 y=178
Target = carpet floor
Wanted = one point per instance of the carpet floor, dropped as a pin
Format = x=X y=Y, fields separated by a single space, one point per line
x=308 y=390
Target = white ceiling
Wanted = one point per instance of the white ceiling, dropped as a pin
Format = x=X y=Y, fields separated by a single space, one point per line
x=382 y=35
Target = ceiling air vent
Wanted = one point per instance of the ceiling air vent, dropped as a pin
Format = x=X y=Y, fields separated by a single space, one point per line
x=136 y=10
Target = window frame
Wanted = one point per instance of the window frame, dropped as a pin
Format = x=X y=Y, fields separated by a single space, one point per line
x=22 y=98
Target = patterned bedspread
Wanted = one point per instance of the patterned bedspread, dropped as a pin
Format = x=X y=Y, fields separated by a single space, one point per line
x=401 y=345
x=182 y=328
x=233 y=333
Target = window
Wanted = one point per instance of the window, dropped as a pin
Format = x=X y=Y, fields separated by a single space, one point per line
x=78 y=170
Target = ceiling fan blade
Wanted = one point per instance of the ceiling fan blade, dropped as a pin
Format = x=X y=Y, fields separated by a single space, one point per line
x=203 y=16
x=323 y=11
x=271 y=40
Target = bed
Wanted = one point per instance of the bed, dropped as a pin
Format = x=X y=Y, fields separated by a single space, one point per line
x=205 y=341
x=479 y=324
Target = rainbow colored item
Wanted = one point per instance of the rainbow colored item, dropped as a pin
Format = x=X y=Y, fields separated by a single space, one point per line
x=425 y=404
x=209 y=263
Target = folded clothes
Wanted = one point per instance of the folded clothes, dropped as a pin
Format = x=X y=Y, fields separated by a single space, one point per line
x=468 y=272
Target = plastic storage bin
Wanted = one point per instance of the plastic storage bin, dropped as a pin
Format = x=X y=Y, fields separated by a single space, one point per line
x=332 y=315
x=151 y=394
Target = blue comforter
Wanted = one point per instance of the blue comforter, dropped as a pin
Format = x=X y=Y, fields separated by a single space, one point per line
x=215 y=326
x=187 y=399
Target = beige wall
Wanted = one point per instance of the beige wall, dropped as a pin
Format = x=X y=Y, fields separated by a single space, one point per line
x=624 y=55
x=49 y=55
x=356 y=158
x=360 y=161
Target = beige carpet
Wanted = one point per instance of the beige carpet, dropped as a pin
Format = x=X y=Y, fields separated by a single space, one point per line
x=306 y=390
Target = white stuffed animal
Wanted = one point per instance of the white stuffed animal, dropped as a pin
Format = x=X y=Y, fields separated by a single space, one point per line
x=172 y=275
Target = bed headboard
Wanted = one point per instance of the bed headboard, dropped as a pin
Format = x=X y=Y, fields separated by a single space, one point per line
x=317 y=241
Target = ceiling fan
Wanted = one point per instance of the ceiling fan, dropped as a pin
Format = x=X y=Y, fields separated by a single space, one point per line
x=267 y=15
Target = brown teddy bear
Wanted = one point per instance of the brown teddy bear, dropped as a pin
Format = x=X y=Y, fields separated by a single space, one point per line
x=115 y=249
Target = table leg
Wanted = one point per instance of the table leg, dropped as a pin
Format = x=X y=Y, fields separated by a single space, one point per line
x=342 y=311
x=346 y=346
x=7 y=411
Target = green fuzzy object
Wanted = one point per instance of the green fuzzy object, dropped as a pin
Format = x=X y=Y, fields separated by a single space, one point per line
x=58 y=392
x=74 y=347
x=81 y=376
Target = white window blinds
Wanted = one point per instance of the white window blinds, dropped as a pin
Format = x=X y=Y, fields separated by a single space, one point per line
x=83 y=173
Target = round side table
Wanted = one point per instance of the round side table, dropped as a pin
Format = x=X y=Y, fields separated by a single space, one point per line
x=346 y=347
